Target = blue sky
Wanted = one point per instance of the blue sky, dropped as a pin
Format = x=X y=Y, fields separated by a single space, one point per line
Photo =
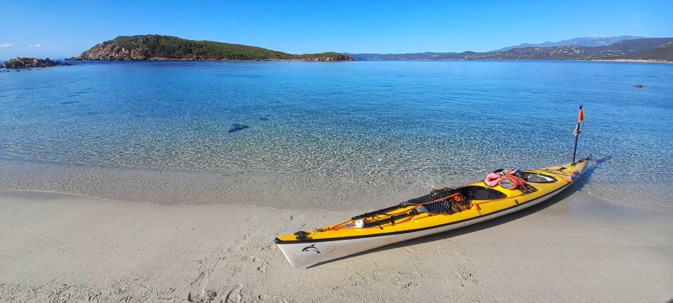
x=65 y=28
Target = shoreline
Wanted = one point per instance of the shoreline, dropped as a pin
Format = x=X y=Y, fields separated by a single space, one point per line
x=70 y=61
x=576 y=247
x=633 y=61
x=235 y=186
x=231 y=187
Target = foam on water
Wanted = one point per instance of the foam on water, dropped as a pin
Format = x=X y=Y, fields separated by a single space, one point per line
x=412 y=124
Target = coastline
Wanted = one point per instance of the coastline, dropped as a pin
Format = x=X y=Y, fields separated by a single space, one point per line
x=631 y=61
x=574 y=247
x=75 y=61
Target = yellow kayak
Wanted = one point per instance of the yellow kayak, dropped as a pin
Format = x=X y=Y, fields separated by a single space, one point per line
x=441 y=210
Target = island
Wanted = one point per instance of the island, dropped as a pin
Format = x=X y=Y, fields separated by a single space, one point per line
x=165 y=48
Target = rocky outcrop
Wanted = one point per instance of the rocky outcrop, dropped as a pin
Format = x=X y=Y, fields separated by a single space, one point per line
x=19 y=63
x=114 y=52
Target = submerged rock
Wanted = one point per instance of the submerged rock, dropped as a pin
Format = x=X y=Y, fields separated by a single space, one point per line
x=236 y=127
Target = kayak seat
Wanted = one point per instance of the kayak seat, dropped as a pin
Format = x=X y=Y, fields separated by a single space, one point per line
x=538 y=178
x=480 y=193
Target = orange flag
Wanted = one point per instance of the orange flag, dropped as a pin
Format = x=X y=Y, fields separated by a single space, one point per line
x=580 y=118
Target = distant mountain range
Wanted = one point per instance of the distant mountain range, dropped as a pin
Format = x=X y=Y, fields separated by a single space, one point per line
x=582 y=41
x=626 y=48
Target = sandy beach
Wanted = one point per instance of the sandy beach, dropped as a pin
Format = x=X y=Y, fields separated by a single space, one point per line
x=573 y=248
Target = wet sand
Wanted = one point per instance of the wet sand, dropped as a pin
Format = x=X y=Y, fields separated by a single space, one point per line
x=572 y=248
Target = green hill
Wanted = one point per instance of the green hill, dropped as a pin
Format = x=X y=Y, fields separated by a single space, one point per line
x=159 y=47
x=661 y=53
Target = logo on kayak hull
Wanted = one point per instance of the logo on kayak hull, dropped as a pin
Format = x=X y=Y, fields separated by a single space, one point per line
x=311 y=248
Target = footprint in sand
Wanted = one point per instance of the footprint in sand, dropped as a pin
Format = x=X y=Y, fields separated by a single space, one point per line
x=235 y=295
x=270 y=298
x=406 y=280
x=238 y=246
x=263 y=267
x=359 y=280
x=204 y=297
x=198 y=288
x=464 y=267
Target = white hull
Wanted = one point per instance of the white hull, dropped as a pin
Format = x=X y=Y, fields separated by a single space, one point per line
x=307 y=253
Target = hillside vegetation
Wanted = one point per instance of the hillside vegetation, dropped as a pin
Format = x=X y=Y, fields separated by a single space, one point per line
x=159 y=47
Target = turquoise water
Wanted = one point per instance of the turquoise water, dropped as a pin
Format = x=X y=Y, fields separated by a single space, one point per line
x=371 y=122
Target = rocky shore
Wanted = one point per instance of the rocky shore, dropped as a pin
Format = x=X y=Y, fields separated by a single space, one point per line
x=21 y=63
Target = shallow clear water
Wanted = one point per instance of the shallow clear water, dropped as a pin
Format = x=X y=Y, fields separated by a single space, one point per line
x=370 y=122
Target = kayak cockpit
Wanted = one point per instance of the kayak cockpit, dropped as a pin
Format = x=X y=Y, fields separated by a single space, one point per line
x=475 y=192
x=534 y=177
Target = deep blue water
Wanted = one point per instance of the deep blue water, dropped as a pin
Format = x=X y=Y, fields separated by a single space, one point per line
x=370 y=121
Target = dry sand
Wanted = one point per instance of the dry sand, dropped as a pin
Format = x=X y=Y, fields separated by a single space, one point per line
x=574 y=248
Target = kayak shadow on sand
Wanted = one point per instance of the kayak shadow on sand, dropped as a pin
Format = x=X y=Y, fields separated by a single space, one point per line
x=577 y=186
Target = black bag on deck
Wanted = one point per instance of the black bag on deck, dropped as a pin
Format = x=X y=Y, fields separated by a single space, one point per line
x=433 y=195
